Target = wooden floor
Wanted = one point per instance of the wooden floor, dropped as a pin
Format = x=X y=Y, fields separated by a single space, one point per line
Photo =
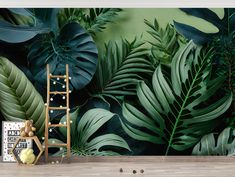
x=154 y=166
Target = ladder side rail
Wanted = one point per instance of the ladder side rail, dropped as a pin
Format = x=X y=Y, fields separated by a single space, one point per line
x=47 y=114
x=68 y=112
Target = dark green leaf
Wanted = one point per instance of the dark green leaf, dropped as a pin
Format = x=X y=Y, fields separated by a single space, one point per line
x=24 y=24
x=16 y=34
x=204 y=13
x=21 y=11
x=73 y=46
x=225 y=25
x=48 y=16
x=121 y=68
x=190 y=32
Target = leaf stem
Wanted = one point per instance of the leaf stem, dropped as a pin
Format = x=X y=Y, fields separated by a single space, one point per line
x=52 y=44
x=182 y=108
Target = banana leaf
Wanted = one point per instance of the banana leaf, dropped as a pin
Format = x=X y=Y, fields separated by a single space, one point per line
x=19 y=99
x=20 y=25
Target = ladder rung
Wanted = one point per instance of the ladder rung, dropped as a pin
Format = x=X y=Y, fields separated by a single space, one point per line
x=58 y=108
x=57 y=144
x=57 y=76
x=57 y=125
x=58 y=92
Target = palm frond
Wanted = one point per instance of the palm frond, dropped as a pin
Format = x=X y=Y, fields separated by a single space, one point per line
x=165 y=43
x=99 y=17
x=121 y=68
x=175 y=113
x=92 y=19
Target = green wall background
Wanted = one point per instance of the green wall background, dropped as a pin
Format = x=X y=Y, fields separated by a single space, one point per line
x=131 y=22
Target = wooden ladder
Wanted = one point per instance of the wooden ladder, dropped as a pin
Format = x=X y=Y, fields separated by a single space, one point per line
x=48 y=125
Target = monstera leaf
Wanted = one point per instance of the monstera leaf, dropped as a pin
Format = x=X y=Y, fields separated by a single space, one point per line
x=225 y=25
x=20 y=25
x=121 y=68
x=84 y=139
x=73 y=127
x=91 y=121
x=19 y=98
x=225 y=144
x=73 y=46
x=174 y=111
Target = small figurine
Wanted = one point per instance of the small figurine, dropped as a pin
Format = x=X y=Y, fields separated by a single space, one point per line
x=28 y=129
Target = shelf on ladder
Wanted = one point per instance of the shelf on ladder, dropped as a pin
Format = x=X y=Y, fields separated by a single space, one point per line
x=56 y=92
x=57 y=125
x=58 y=108
x=57 y=76
x=57 y=145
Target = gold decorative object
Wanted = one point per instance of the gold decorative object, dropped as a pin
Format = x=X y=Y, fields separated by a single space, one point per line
x=38 y=144
x=28 y=129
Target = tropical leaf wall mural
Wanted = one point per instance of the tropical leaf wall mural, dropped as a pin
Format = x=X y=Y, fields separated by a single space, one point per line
x=93 y=19
x=73 y=46
x=121 y=68
x=222 y=41
x=83 y=130
x=225 y=25
x=140 y=84
x=20 y=25
x=209 y=145
x=173 y=116
x=19 y=98
x=166 y=42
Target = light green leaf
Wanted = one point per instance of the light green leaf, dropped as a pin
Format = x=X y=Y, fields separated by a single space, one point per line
x=95 y=145
x=73 y=125
x=165 y=43
x=177 y=106
x=92 y=19
x=89 y=124
x=19 y=98
x=225 y=144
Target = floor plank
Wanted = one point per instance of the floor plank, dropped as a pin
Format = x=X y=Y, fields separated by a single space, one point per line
x=153 y=166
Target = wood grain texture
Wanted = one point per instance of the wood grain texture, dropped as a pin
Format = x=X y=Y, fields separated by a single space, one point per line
x=154 y=166
x=48 y=107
